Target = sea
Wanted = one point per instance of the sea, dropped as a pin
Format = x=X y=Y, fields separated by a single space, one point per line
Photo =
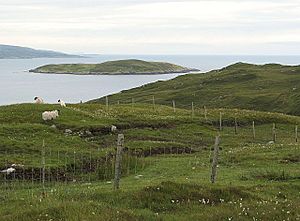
x=17 y=85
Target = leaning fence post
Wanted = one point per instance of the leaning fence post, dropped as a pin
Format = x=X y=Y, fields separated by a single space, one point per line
x=215 y=160
x=120 y=144
x=253 y=129
x=274 y=132
x=296 y=133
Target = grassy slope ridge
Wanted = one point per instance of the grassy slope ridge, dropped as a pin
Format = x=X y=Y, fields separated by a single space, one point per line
x=270 y=87
x=113 y=67
x=15 y=52
x=256 y=180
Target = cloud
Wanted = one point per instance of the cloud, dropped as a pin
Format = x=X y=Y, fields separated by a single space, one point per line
x=144 y=26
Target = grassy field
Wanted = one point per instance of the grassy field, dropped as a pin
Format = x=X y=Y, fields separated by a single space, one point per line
x=269 y=87
x=166 y=164
x=113 y=68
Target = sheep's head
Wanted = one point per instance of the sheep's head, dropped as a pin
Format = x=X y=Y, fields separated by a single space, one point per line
x=59 y=100
x=56 y=113
x=35 y=98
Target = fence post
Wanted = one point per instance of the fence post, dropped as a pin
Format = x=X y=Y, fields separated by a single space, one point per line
x=235 y=125
x=106 y=102
x=66 y=167
x=58 y=170
x=90 y=166
x=74 y=168
x=274 y=132
x=120 y=144
x=215 y=160
x=153 y=101
x=296 y=133
x=205 y=113
x=193 y=110
x=174 y=106
x=220 y=121
x=253 y=129
x=136 y=161
x=43 y=166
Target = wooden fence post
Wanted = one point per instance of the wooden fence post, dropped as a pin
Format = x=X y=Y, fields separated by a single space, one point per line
x=296 y=133
x=120 y=144
x=274 y=132
x=43 y=166
x=106 y=103
x=220 y=121
x=193 y=110
x=235 y=125
x=253 y=129
x=153 y=101
x=215 y=160
x=174 y=106
x=57 y=169
x=74 y=167
x=205 y=113
x=90 y=171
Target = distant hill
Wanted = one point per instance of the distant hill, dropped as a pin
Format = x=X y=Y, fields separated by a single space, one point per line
x=120 y=67
x=270 y=87
x=15 y=52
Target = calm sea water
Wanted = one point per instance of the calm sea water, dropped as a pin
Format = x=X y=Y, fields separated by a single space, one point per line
x=19 y=86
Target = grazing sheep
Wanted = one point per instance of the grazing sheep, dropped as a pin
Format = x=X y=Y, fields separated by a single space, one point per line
x=50 y=115
x=62 y=103
x=39 y=100
x=113 y=128
x=17 y=165
x=8 y=170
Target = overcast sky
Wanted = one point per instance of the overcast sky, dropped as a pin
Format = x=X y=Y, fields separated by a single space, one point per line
x=153 y=26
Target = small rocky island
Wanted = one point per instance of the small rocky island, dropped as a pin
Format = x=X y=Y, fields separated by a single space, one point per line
x=120 y=67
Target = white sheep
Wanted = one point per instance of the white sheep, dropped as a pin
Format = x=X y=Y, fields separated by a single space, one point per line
x=8 y=170
x=113 y=128
x=62 y=103
x=39 y=100
x=50 y=115
x=17 y=165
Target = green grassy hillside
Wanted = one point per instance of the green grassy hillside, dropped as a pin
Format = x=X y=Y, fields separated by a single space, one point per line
x=165 y=170
x=113 y=67
x=269 y=87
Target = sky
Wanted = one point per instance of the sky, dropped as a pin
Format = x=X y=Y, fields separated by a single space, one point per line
x=232 y=27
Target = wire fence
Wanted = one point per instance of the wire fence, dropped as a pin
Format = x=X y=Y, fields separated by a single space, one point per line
x=53 y=167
